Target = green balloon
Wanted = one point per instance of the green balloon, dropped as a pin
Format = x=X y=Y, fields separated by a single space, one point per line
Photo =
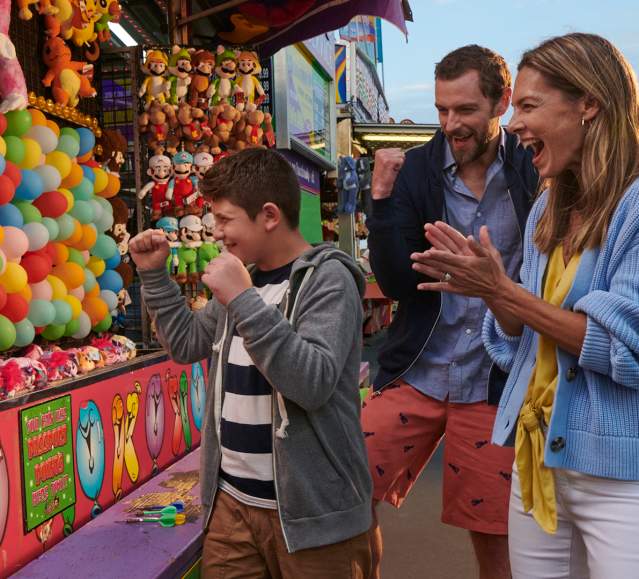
x=89 y=280
x=83 y=191
x=76 y=257
x=67 y=144
x=63 y=312
x=82 y=211
x=41 y=313
x=66 y=225
x=53 y=332
x=71 y=132
x=52 y=227
x=29 y=212
x=15 y=149
x=8 y=333
x=103 y=325
x=72 y=327
x=18 y=123
x=105 y=247
x=25 y=332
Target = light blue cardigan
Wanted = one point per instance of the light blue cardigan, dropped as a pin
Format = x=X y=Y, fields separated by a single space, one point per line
x=594 y=428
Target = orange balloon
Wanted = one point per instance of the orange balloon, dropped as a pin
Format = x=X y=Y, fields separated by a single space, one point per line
x=61 y=253
x=112 y=188
x=86 y=157
x=89 y=236
x=76 y=235
x=26 y=293
x=70 y=273
x=73 y=178
x=1 y=235
x=54 y=127
x=38 y=118
x=96 y=309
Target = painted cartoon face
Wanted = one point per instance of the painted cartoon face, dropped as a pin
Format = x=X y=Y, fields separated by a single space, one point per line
x=4 y=494
x=198 y=394
x=154 y=416
x=89 y=444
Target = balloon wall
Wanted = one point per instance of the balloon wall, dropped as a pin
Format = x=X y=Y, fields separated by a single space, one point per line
x=56 y=261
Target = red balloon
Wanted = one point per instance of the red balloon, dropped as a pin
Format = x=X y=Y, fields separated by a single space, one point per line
x=51 y=204
x=3 y=297
x=7 y=189
x=16 y=308
x=37 y=267
x=3 y=123
x=40 y=329
x=13 y=172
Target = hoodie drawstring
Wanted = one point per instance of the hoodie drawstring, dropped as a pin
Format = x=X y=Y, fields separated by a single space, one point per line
x=217 y=389
x=281 y=406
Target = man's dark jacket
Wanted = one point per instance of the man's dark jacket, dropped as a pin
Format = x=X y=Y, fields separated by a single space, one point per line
x=396 y=228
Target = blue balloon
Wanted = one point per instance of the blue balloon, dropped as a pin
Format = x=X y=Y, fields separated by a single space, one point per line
x=110 y=280
x=11 y=215
x=87 y=141
x=3 y=164
x=198 y=393
x=31 y=186
x=113 y=261
x=88 y=173
x=89 y=455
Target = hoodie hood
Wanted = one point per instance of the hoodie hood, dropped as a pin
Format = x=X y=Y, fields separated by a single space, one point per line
x=325 y=251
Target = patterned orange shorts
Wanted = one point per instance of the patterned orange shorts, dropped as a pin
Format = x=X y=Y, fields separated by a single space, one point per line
x=403 y=427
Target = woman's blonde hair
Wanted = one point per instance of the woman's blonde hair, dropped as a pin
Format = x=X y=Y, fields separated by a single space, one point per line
x=586 y=65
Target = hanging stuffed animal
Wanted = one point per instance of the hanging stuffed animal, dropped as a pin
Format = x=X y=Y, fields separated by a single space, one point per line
x=248 y=67
x=68 y=79
x=223 y=86
x=179 y=74
x=13 y=89
x=110 y=11
x=118 y=230
x=155 y=86
x=191 y=240
x=189 y=120
x=156 y=123
x=209 y=249
x=202 y=162
x=169 y=225
x=160 y=170
x=203 y=63
x=113 y=150
x=44 y=7
x=180 y=185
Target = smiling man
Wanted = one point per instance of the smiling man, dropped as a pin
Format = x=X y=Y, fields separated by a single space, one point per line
x=435 y=378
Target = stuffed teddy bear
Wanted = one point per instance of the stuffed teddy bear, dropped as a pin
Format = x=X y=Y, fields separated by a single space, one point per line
x=253 y=132
x=118 y=230
x=223 y=86
x=190 y=228
x=160 y=170
x=13 y=88
x=156 y=122
x=180 y=185
x=190 y=131
x=203 y=63
x=180 y=68
x=68 y=79
x=155 y=86
x=248 y=67
x=223 y=119
x=113 y=149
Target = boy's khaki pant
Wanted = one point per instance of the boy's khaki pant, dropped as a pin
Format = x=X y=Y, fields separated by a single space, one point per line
x=244 y=542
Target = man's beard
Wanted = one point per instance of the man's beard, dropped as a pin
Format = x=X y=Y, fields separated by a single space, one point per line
x=482 y=141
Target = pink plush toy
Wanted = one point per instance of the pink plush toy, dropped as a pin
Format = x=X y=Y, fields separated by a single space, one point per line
x=13 y=88
x=21 y=375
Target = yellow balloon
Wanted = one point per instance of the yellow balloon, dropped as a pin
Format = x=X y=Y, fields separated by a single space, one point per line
x=61 y=161
x=101 y=180
x=26 y=293
x=76 y=305
x=14 y=278
x=58 y=286
x=69 y=197
x=96 y=265
x=32 y=154
x=3 y=147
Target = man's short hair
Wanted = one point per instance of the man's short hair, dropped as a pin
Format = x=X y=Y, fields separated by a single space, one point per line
x=494 y=75
x=253 y=177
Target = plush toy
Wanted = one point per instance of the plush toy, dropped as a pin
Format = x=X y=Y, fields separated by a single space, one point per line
x=209 y=249
x=253 y=132
x=156 y=123
x=118 y=230
x=113 y=150
x=83 y=361
x=160 y=170
x=110 y=11
x=75 y=21
x=124 y=299
x=190 y=238
x=59 y=365
x=155 y=86
x=13 y=88
x=248 y=67
x=194 y=203
x=180 y=185
x=128 y=346
x=269 y=133
x=223 y=119
x=198 y=302
x=21 y=375
x=95 y=356
x=203 y=64
x=189 y=120
x=180 y=74
x=169 y=225
x=223 y=86
x=107 y=349
x=68 y=79
x=44 y=7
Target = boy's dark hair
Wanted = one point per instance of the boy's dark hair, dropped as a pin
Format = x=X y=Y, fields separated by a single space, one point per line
x=494 y=75
x=253 y=177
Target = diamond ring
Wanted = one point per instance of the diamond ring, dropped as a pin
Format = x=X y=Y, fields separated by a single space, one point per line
x=447 y=277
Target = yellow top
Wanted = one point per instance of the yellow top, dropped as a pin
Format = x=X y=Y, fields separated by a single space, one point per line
x=537 y=483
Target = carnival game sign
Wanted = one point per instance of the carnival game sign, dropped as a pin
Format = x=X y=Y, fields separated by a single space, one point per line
x=47 y=460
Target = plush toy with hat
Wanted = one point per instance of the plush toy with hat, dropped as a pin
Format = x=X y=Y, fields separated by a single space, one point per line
x=209 y=249
x=169 y=225
x=250 y=92
x=180 y=185
x=180 y=68
x=202 y=162
x=224 y=86
x=191 y=240
x=155 y=86
x=203 y=63
x=160 y=170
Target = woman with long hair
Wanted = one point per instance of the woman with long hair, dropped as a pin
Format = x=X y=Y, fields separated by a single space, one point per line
x=568 y=334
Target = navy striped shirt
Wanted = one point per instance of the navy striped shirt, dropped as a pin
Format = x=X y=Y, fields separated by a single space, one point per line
x=246 y=472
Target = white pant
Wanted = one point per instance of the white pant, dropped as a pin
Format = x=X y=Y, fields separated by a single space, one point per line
x=597 y=531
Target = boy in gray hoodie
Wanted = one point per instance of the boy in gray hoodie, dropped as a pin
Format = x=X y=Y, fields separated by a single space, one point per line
x=286 y=489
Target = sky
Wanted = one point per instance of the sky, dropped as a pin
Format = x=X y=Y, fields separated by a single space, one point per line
x=509 y=27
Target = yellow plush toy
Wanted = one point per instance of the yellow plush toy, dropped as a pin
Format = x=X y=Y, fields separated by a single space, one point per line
x=155 y=86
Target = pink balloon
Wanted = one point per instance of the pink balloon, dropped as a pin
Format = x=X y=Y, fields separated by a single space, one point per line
x=86 y=255
x=78 y=292
x=16 y=242
x=42 y=291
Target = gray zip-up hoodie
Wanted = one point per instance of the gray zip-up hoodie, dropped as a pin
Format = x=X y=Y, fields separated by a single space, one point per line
x=322 y=480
